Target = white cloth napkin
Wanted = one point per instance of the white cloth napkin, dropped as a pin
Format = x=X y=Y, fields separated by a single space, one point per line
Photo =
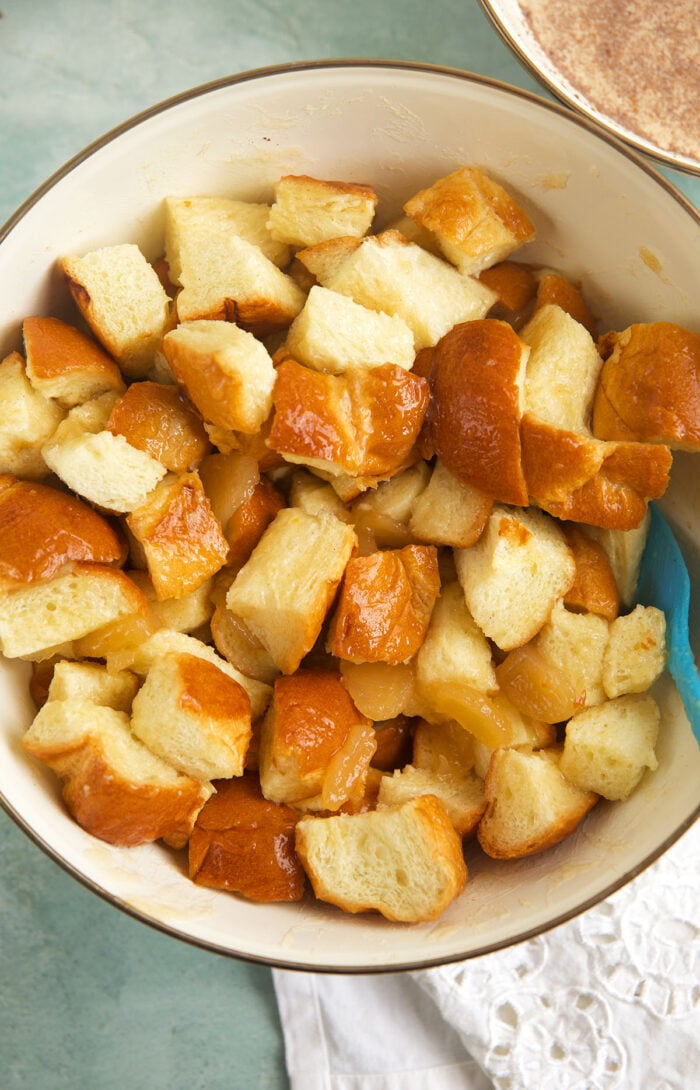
x=608 y=1001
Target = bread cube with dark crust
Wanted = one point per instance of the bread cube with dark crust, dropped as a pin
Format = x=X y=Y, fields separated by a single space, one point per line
x=158 y=420
x=385 y=605
x=243 y=843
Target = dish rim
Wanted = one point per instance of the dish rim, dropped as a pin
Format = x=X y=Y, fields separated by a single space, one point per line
x=82 y=156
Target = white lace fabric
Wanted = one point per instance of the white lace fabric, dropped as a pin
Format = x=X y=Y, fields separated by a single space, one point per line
x=608 y=1001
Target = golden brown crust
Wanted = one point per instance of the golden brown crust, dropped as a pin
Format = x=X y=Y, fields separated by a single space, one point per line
x=182 y=540
x=364 y=423
x=243 y=843
x=474 y=416
x=556 y=289
x=58 y=354
x=385 y=604
x=250 y=520
x=649 y=387
x=516 y=287
x=594 y=589
x=41 y=529
x=158 y=420
x=578 y=478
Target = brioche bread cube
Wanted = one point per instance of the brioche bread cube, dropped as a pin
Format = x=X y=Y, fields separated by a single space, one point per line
x=307 y=725
x=576 y=643
x=635 y=654
x=66 y=364
x=244 y=843
x=516 y=288
x=54 y=611
x=415 y=233
x=455 y=650
x=562 y=369
x=530 y=804
x=334 y=333
x=283 y=592
x=90 y=681
x=113 y=786
x=473 y=422
x=475 y=220
x=193 y=715
x=141 y=659
x=236 y=643
x=158 y=420
x=608 y=748
x=514 y=574
x=649 y=387
x=42 y=528
x=181 y=538
x=186 y=614
x=385 y=604
x=364 y=423
x=190 y=223
x=404 y=861
x=226 y=372
x=307 y=210
x=594 y=589
x=461 y=793
x=389 y=273
x=321 y=260
x=624 y=549
x=122 y=300
x=449 y=511
x=231 y=279
x=554 y=288
x=97 y=464
x=27 y=421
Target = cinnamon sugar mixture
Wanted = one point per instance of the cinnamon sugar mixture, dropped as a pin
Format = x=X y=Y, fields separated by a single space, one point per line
x=636 y=61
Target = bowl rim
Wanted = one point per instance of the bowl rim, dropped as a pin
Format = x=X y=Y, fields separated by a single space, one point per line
x=11 y=223
x=676 y=160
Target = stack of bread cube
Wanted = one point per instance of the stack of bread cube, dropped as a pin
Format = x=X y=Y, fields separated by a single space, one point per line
x=320 y=560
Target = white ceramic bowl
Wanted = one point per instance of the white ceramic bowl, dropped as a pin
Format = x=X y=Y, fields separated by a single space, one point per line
x=600 y=213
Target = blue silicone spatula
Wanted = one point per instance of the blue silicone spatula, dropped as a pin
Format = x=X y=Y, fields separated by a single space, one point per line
x=664 y=582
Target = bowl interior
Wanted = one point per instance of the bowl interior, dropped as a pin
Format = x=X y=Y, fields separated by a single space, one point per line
x=600 y=214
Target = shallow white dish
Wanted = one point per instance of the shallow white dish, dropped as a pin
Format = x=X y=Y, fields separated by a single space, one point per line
x=632 y=68
x=601 y=214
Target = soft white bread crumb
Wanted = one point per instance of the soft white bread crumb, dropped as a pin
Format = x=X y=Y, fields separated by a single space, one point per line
x=55 y=611
x=635 y=654
x=92 y=681
x=513 y=575
x=28 y=419
x=100 y=466
x=66 y=364
x=608 y=748
x=121 y=298
x=576 y=644
x=403 y=861
x=231 y=279
x=140 y=659
x=448 y=511
x=462 y=793
x=322 y=260
x=226 y=372
x=194 y=716
x=531 y=805
x=316 y=497
x=475 y=220
x=307 y=210
x=114 y=787
x=285 y=589
x=191 y=221
x=455 y=649
x=388 y=273
x=333 y=333
x=562 y=369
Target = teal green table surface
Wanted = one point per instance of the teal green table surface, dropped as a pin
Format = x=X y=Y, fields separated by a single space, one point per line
x=90 y=999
